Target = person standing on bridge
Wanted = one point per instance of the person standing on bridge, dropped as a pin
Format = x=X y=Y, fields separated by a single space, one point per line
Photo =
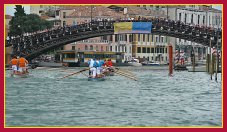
x=14 y=63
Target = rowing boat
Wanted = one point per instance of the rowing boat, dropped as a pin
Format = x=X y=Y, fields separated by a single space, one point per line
x=20 y=75
x=96 y=79
x=109 y=73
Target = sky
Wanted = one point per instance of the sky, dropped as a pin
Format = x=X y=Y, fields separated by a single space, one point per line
x=10 y=9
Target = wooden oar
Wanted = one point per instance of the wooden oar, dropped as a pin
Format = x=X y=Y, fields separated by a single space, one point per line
x=85 y=74
x=133 y=78
x=124 y=71
x=75 y=73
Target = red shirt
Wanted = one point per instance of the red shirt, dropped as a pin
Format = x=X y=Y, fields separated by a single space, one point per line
x=109 y=63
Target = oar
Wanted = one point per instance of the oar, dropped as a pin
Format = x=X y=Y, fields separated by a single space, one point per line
x=85 y=74
x=124 y=71
x=133 y=78
x=128 y=74
x=75 y=73
x=125 y=74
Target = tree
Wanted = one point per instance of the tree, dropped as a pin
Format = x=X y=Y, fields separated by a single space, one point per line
x=22 y=23
x=19 y=11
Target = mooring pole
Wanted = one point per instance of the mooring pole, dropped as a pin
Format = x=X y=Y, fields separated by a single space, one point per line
x=193 y=59
x=211 y=62
x=170 y=60
x=217 y=61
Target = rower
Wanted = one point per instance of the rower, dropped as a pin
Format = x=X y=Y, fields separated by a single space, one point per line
x=110 y=65
x=14 y=62
x=92 y=68
x=22 y=62
x=99 y=67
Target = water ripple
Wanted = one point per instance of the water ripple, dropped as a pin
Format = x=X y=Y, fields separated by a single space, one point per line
x=186 y=99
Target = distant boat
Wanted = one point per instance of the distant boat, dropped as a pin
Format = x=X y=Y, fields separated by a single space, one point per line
x=134 y=62
x=150 y=63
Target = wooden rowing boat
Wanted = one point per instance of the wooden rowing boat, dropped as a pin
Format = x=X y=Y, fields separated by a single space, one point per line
x=96 y=79
x=20 y=75
x=109 y=73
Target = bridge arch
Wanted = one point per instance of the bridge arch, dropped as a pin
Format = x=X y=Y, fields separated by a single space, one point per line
x=35 y=45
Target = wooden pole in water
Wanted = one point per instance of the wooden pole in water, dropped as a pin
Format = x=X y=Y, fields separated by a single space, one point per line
x=193 y=59
x=170 y=60
x=217 y=61
x=210 y=61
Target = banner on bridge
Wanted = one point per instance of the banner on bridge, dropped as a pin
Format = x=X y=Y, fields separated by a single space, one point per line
x=132 y=27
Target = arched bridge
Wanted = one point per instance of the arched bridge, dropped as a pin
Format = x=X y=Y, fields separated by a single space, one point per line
x=35 y=45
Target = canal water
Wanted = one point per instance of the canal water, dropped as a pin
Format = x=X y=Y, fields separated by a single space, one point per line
x=155 y=100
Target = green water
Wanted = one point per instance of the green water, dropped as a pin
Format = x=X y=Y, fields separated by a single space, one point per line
x=186 y=99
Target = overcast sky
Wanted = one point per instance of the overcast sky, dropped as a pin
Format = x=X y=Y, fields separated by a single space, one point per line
x=10 y=9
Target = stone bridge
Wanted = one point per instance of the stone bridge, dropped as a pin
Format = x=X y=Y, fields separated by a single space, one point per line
x=34 y=45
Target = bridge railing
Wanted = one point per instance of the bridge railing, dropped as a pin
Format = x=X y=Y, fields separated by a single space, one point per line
x=29 y=43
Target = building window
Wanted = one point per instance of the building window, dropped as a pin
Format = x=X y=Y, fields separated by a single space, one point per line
x=161 y=50
x=162 y=39
x=91 y=47
x=130 y=38
x=152 y=38
x=144 y=50
x=125 y=37
x=105 y=37
x=185 y=18
x=116 y=48
x=203 y=19
x=158 y=51
x=101 y=48
x=148 y=37
x=64 y=14
x=209 y=20
x=192 y=19
x=97 y=48
x=152 y=51
x=144 y=38
x=110 y=48
x=64 y=23
x=138 y=50
x=156 y=39
x=73 y=47
x=148 y=50
x=138 y=37
x=130 y=49
x=86 y=47
x=57 y=13
x=116 y=38
x=198 y=19
x=180 y=16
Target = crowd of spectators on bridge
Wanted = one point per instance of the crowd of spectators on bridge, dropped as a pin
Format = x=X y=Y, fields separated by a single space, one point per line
x=27 y=41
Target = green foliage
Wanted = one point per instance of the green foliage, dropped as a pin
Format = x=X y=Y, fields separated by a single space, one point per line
x=22 y=23
x=19 y=11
